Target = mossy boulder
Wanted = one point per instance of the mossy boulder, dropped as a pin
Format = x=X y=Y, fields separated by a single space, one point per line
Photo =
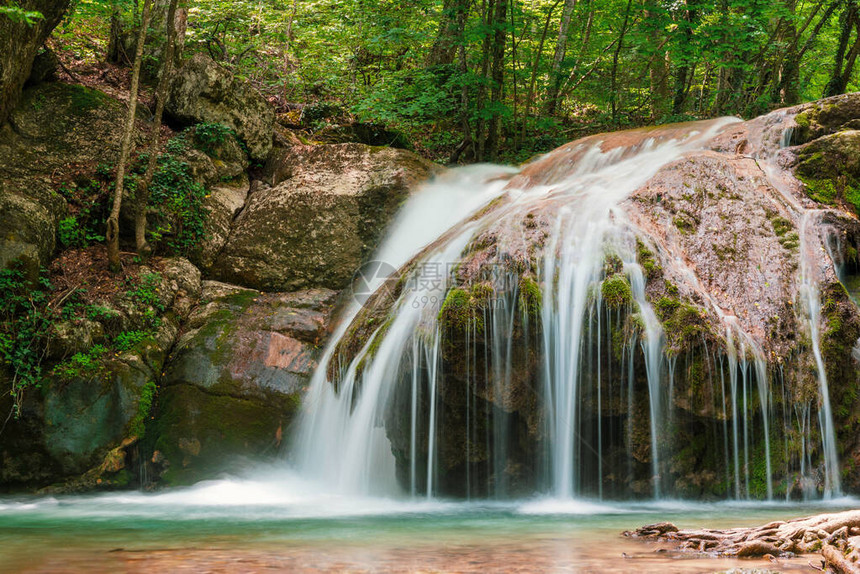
x=829 y=167
x=54 y=130
x=827 y=116
x=77 y=431
x=321 y=211
x=235 y=379
x=203 y=91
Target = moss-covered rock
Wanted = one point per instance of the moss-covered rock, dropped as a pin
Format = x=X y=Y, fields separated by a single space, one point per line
x=54 y=128
x=616 y=292
x=234 y=380
x=829 y=167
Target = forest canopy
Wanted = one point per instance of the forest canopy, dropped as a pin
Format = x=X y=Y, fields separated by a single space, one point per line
x=483 y=80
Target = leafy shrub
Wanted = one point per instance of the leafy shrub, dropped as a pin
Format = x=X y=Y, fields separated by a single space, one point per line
x=24 y=319
x=86 y=364
x=208 y=136
x=180 y=200
x=128 y=340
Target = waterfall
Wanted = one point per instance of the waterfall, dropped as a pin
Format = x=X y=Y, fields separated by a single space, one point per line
x=532 y=376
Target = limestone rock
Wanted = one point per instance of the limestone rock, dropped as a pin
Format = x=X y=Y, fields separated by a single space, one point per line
x=203 y=91
x=56 y=125
x=326 y=210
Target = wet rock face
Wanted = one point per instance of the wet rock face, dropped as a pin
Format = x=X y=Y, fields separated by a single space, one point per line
x=728 y=241
x=203 y=91
x=323 y=211
x=233 y=384
x=717 y=218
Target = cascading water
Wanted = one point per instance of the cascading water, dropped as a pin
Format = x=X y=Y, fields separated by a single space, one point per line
x=508 y=358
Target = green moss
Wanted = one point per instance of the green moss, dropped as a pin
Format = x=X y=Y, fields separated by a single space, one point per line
x=802 y=120
x=821 y=190
x=781 y=225
x=683 y=323
x=137 y=426
x=464 y=308
x=612 y=264
x=616 y=291
x=646 y=259
x=531 y=297
x=85 y=99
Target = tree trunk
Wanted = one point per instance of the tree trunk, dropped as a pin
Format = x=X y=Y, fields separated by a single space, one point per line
x=19 y=44
x=556 y=77
x=112 y=234
x=536 y=66
x=143 y=190
x=613 y=84
x=488 y=8
x=683 y=75
x=444 y=48
x=836 y=86
x=498 y=80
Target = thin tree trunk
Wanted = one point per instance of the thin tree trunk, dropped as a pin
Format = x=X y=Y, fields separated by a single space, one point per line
x=498 y=80
x=613 y=97
x=658 y=71
x=536 y=67
x=834 y=86
x=488 y=7
x=468 y=144
x=112 y=234
x=143 y=190
x=556 y=78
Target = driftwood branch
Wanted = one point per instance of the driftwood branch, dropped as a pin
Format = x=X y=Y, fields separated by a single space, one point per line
x=836 y=536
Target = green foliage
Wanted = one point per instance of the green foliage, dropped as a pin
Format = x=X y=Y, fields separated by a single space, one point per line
x=16 y=14
x=145 y=291
x=179 y=199
x=25 y=318
x=208 y=136
x=87 y=365
x=128 y=340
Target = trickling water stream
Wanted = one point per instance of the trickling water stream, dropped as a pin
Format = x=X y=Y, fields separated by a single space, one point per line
x=529 y=377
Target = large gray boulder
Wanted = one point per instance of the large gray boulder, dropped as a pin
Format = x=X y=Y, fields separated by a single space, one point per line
x=235 y=379
x=75 y=433
x=203 y=91
x=321 y=211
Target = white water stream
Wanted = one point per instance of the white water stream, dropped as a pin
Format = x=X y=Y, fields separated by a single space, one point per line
x=343 y=439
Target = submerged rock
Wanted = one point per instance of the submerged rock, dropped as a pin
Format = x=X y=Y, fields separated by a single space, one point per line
x=322 y=212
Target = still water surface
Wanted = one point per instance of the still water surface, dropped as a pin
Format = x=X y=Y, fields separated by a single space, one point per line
x=281 y=523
